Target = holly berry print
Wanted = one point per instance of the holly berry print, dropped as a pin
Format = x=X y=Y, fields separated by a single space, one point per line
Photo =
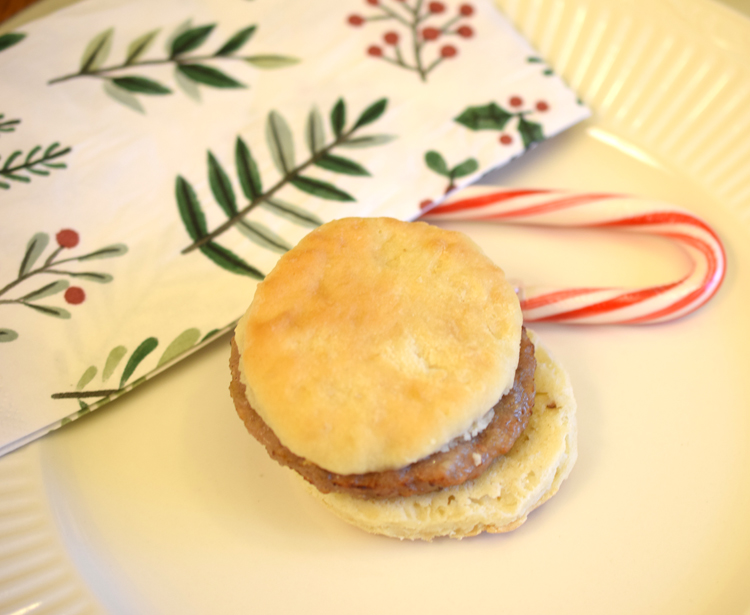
x=123 y=83
x=67 y=240
x=425 y=34
x=87 y=389
x=281 y=146
x=512 y=123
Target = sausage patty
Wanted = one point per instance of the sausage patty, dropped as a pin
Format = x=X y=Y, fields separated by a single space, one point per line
x=464 y=460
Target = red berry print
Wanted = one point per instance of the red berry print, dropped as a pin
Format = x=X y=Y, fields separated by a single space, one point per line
x=391 y=38
x=404 y=43
x=448 y=51
x=74 y=295
x=542 y=106
x=516 y=101
x=56 y=263
x=67 y=238
x=506 y=139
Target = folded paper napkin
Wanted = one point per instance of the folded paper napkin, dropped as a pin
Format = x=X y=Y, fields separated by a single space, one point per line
x=156 y=158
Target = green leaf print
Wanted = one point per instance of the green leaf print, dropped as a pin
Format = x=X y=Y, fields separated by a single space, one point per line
x=271 y=61
x=180 y=29
x=221 y=187
x=530 y=132
x=8 y=335
x=280 y=142
x=49 y=310
x=190 y=40
x=90 y=276
x=141 y=85
x=467 y=167
x=96 y=51
x=45 y=291
x=123 y=97
x=34 y=249
x=210 y=334
x=322 y=189
x=190 y=69
x=493 y=117
x=485 y=117
x=291 y=212
x=226 y=259
x=117 y=249
x=67 y=240
x=10 y=39
x=87 y=377
x=372 y=113
x=146 y=347
x=337 y=164
x=281 y=146
x=187 y=85
x=338 y=117
x=315 y=132
x=8 y=125
x=247 y=171
x=139 y=46
x=35 y=162
x=182 y=343
x=368 y=141
x=113 y=360
x=190 y=209
x=237 y=41
x=263 y=236
x=207 y=75
x=437 y=163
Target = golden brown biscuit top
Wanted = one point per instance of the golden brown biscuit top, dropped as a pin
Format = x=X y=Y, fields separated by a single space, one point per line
x=374 y=342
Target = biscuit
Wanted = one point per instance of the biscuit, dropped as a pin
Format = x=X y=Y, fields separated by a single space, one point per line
x=374 y=342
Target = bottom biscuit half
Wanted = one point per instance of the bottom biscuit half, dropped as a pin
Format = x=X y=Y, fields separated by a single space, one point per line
x=501 y=499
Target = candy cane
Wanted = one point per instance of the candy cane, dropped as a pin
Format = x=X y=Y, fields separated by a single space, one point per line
x=588 y=305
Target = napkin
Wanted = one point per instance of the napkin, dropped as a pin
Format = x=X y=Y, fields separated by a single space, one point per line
x=156 y=159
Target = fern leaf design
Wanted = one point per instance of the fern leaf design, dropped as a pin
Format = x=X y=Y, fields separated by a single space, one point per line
x=35 y=162
x=281 y=145
x=184 y=342
x=191 y=69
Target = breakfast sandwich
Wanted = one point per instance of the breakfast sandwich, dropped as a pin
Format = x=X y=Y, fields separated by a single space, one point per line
x=386 y=363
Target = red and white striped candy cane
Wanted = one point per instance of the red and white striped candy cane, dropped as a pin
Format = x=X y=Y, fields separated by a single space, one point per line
x=587 y=305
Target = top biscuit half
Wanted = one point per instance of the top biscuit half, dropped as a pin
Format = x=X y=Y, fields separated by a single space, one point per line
x=374 y=342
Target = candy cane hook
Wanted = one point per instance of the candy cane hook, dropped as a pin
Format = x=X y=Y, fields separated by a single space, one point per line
x=588 y=305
